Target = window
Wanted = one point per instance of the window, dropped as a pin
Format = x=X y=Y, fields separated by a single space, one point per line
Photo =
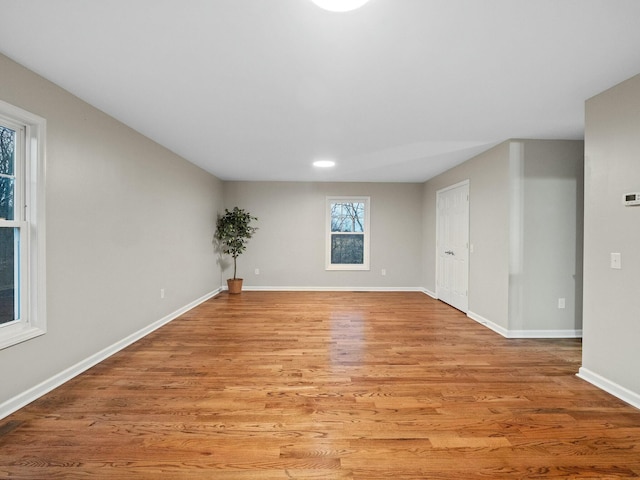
x=347 y=233
x=22 y=287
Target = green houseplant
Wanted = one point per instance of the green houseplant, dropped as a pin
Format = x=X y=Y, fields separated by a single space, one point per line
x=233 y=231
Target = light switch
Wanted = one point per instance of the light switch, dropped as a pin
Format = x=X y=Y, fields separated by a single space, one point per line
x=616 y=261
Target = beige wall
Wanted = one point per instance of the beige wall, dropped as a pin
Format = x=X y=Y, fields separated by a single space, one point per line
x=125 y=218
x=525 y=231
x=611 y=348
x=488 y=176
x=551 y=236
x=289 y=247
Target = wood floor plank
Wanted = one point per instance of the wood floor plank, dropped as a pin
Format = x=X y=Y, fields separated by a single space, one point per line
x=327 y=385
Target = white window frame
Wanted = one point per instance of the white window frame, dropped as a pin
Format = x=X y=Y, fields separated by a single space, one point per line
x=366 y=234
x=30 y=220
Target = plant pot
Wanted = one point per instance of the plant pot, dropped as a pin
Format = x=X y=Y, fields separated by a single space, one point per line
x=234 y=285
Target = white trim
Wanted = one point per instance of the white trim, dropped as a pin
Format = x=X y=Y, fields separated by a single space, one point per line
x=506 y=333
x=488 y=323
x=429 y=292
x=366 y=234
x=24 y=398
x=455 y=185
x=32 y=196
x=249 y=288
x=545 y=334
x=624 y=394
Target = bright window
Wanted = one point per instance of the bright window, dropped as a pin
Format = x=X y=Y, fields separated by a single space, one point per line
x=347 y=233
x=22 y=287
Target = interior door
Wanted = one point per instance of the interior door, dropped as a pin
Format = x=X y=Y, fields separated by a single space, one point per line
x=452 y=263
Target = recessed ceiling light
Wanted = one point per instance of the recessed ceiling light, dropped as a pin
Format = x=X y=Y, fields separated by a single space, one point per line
x=339 y=5
x=324 y=163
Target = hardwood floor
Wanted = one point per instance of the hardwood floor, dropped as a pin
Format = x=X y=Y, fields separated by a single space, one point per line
x=326 y=385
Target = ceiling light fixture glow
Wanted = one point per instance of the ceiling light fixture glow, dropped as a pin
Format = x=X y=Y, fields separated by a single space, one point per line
x=324 y=163
x=339 y=5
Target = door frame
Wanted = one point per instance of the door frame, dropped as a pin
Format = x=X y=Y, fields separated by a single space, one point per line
x=438 y=193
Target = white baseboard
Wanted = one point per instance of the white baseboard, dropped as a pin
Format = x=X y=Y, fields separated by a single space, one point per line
x=24 y=398
x=488 y=323
x=250 y=288
x=429 y=292
x=506 y=333
x=624 y=394
x=545 y=334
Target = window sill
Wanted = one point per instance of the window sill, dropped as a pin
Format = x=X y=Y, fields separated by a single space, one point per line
x=347 y=267
x=8 y=339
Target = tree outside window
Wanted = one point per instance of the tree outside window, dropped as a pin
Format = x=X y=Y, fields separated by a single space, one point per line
x=22 y=225
x=348 y=239
x=9 y=237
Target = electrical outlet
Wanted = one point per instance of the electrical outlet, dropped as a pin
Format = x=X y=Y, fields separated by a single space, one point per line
x=383 y=272
x=162 y=293
x=616 y=261
x=257 y=271
x=561 y=303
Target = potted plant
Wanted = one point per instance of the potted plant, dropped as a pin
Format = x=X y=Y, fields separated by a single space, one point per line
x=233 y=230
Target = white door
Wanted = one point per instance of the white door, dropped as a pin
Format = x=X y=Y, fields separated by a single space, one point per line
x=452 y=262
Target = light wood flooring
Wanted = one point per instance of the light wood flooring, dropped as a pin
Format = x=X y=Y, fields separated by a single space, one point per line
x=326 y=385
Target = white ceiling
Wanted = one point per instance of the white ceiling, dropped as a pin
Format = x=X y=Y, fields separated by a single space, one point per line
x=399 y=90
